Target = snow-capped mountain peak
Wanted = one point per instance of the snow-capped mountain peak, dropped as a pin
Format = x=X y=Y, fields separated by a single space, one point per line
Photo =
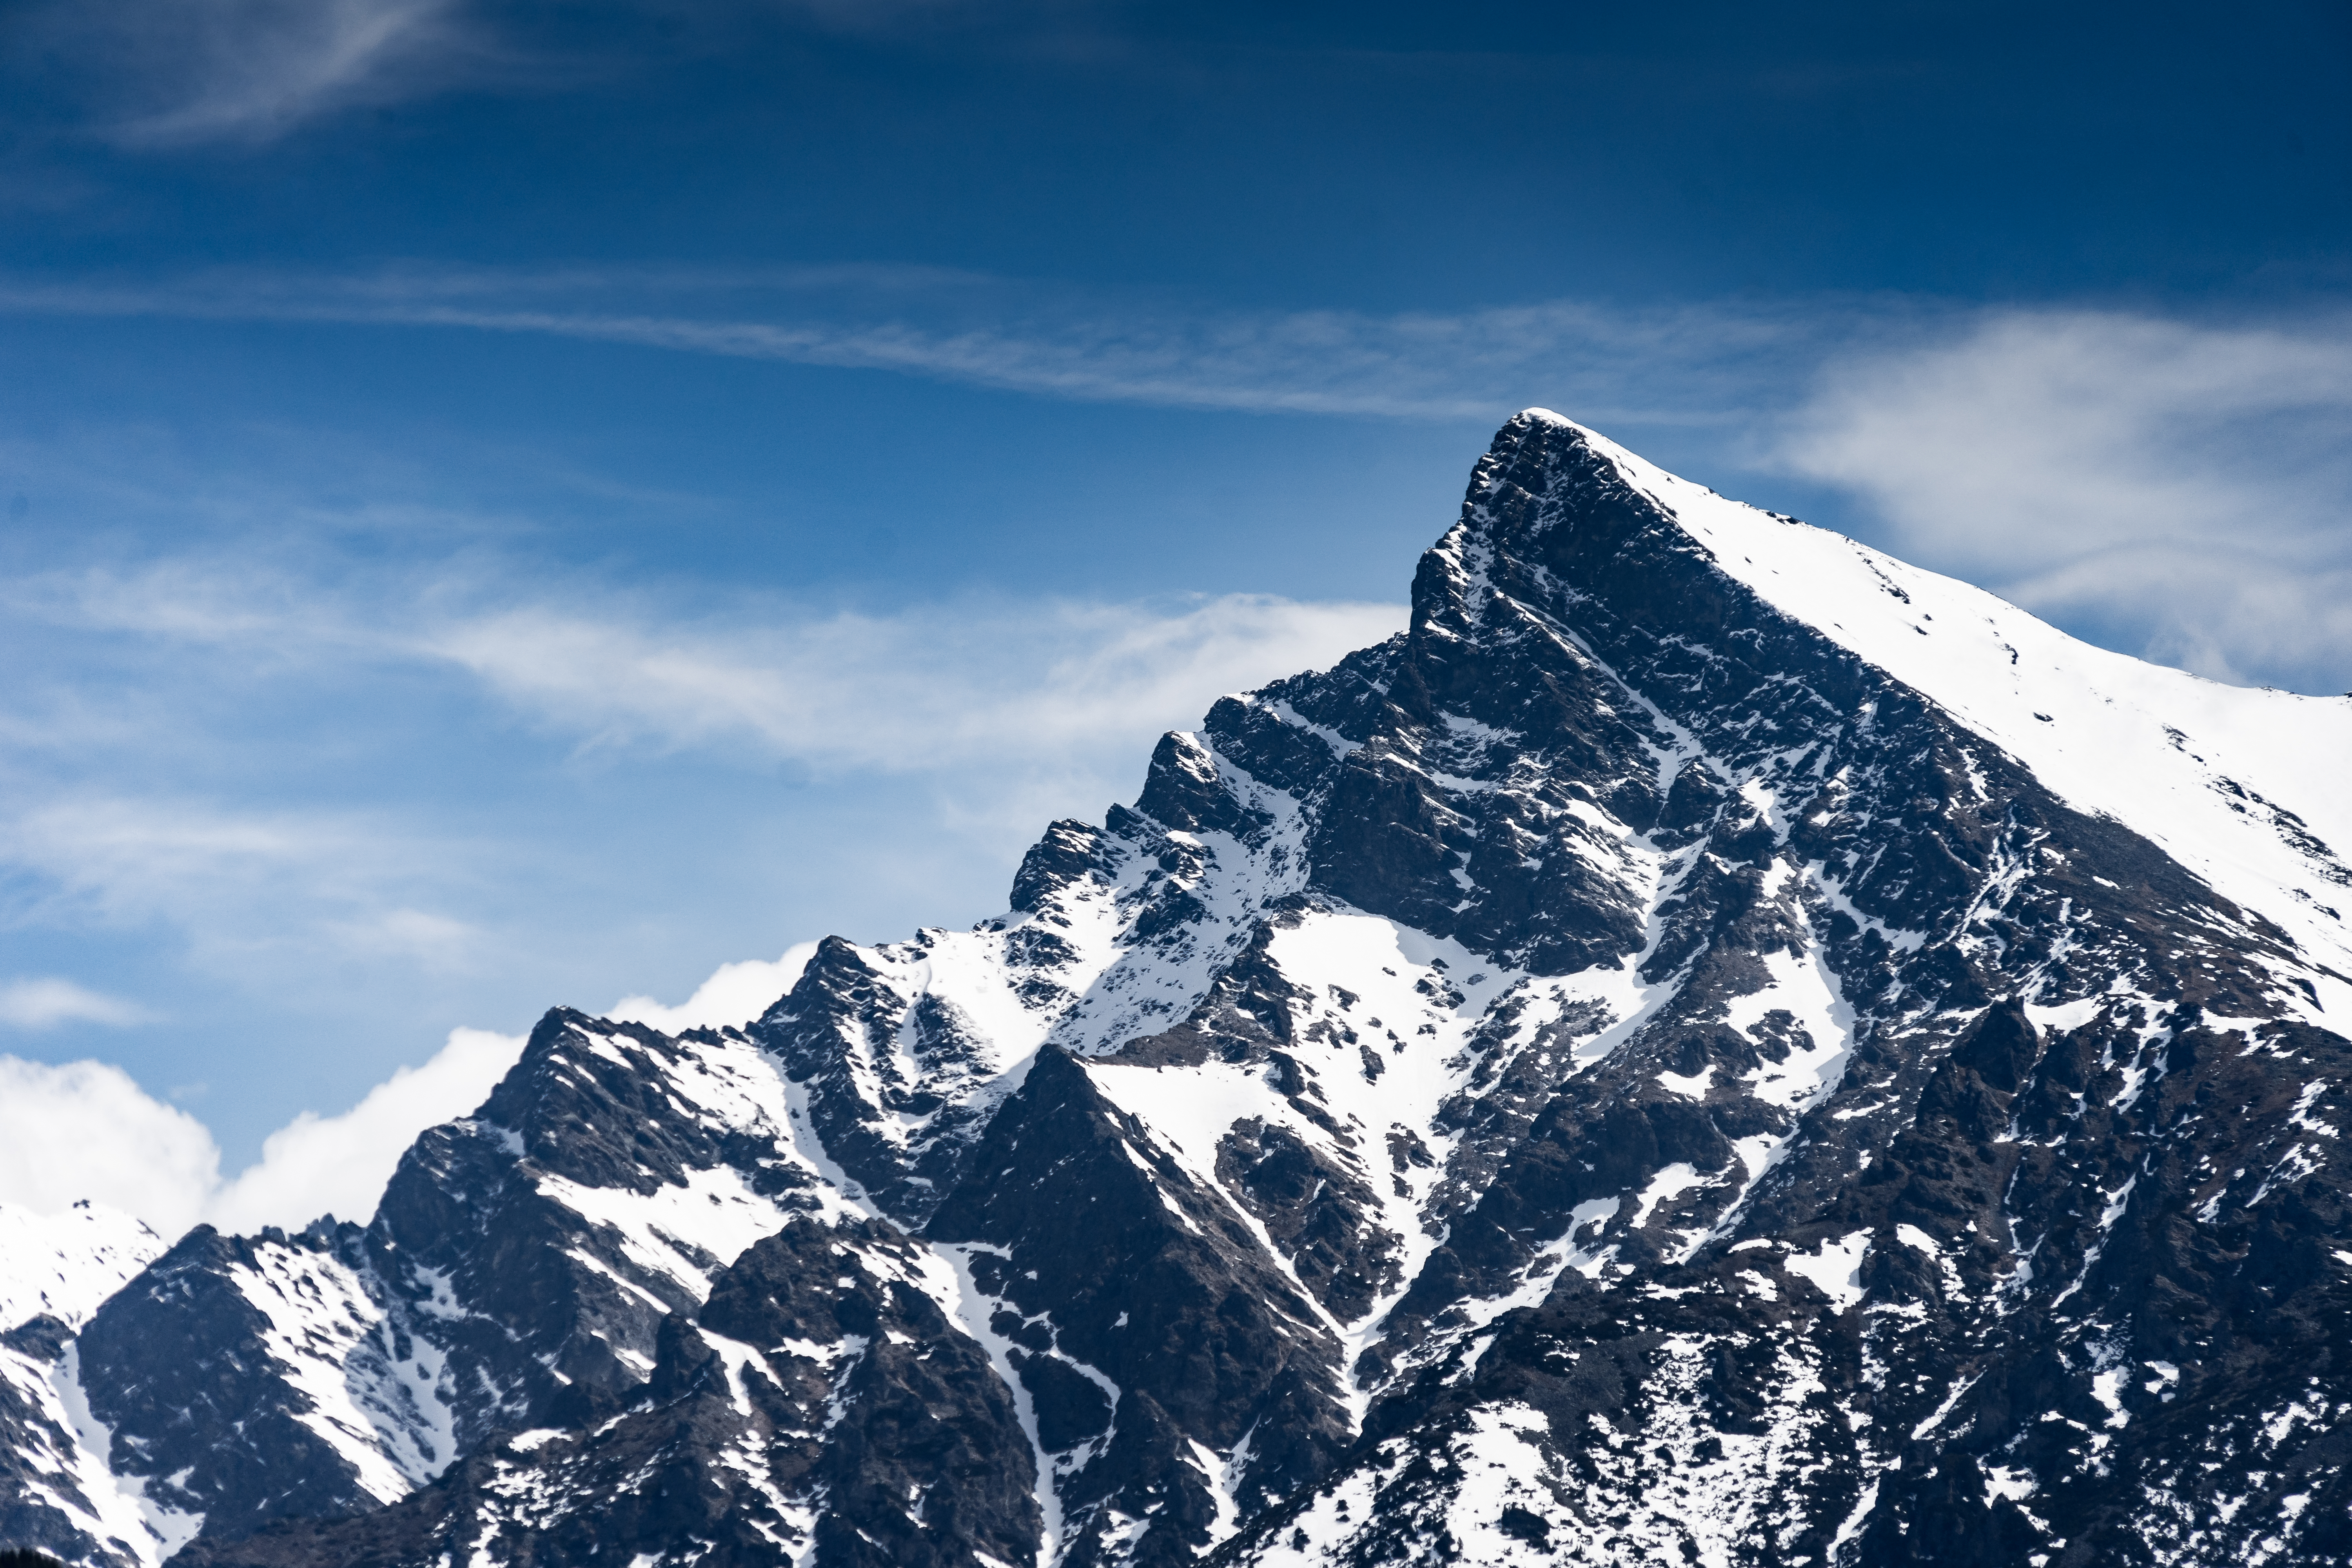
x=2244 y=785
x=1714 y=1045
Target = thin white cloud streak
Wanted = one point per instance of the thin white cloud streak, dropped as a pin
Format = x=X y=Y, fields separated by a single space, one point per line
x=1420 y=367
x=45 y=1002
x=177 y=72
x=86 y=1130
x=1002 y=685
x=2183 y=486
x=1473 y=366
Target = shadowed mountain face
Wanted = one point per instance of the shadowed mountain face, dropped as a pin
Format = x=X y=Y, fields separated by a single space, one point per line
x=1715 y=1047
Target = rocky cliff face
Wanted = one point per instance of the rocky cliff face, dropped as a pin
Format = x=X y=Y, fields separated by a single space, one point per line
x=1715 y=1047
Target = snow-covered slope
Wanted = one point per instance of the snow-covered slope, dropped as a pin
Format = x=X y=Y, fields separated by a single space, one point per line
x=1714 y=1047
x=55 y=1271
x=2245 y=786
x=63 y=1264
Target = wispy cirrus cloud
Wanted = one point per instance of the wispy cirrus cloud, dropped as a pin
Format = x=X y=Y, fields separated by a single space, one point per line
x=994 y=682
x=165 y=73
x=1671 y=365
x=158 y=75
x=246 y=885
x=980 y=678
x=2174 y=488
x=46 y=1000
x=2178 y=490
x=1010 y=710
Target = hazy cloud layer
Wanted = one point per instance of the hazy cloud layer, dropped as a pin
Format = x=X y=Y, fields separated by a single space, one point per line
x=1011 y=711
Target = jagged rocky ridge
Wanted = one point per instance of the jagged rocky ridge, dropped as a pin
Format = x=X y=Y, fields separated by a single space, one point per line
x=1715 y=1047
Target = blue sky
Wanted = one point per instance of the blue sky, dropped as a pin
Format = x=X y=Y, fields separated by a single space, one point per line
x=507 y=504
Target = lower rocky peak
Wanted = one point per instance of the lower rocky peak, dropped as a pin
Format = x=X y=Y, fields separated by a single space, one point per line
x=1100 y=1260
x=820 y=1402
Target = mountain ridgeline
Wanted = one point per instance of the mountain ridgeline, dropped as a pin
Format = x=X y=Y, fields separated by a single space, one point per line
x=1715 y=1047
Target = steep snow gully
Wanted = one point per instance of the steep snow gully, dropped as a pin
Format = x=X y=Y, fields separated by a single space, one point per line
x=1715 y=1046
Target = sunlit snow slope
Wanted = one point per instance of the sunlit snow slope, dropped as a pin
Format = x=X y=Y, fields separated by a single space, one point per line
x=2246 y=787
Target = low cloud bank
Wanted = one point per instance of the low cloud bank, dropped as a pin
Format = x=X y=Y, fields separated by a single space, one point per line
x=87 y=1130
x=338 y=1164
x=736 y=994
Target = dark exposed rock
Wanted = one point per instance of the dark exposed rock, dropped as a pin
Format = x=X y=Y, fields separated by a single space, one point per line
x=1084 y=1229
x=186 y=1358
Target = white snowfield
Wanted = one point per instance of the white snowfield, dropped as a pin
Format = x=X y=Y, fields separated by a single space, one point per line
x=64 y=1265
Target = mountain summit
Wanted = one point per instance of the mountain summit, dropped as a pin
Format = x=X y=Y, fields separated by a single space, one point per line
x=1715 y=1047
